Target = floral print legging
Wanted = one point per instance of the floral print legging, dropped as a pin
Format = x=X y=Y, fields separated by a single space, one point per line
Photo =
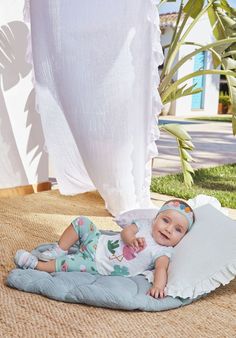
x=84 y=260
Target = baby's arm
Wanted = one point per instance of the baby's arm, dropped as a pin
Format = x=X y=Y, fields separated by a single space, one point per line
x=129 y=238
x=160 y=277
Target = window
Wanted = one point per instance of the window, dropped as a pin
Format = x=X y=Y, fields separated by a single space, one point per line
x=199 y=64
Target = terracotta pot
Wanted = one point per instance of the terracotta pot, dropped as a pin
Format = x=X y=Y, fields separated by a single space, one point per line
x=223 y=108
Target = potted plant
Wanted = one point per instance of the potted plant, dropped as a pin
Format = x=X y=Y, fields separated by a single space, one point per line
x=224 y=103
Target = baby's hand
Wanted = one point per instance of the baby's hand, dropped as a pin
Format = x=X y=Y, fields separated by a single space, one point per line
x=156 y=292
x=137 y=243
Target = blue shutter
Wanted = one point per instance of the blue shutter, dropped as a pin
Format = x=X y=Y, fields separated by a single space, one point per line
x=199 y=64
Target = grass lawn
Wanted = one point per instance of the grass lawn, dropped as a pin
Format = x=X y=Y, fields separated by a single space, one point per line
x=218 y=118
x=219 y=182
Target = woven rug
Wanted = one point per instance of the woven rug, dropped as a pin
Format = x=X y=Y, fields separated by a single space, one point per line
x=27 y=221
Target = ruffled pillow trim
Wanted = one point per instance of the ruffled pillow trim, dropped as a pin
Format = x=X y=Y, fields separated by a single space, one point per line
x=222 y=277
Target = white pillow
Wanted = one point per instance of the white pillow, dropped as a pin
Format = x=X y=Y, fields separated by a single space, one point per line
x=201 y=199
x=206 y=257
x=129 y=216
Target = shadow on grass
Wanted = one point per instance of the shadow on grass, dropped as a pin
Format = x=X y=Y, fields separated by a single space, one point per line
x=217 y=186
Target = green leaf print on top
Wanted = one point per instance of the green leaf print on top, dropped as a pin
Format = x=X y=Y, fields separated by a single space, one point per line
x=120 y=271
x=112 y=245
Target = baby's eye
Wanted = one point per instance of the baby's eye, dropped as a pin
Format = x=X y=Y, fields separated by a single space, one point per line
x=165 y=220
x=178 y=229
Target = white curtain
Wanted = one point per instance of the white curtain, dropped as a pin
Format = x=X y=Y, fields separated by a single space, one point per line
x=96 y=70
x=23 y=160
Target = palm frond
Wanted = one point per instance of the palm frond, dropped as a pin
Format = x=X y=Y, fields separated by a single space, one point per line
x=184 y=145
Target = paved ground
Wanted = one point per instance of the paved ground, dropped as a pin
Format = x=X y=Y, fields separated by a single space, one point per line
x=214 y=144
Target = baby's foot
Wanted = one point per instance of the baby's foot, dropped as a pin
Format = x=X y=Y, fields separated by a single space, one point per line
x=25 y=259
x=52 y=253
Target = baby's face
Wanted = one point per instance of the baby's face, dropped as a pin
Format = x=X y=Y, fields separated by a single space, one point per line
x=169 y=227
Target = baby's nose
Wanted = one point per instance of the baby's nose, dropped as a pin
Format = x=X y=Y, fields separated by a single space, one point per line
x=169 y=228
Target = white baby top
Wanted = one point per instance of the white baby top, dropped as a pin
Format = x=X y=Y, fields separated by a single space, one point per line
x=114 y=257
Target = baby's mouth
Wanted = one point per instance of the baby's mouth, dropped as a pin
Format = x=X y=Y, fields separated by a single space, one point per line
x=164 y=236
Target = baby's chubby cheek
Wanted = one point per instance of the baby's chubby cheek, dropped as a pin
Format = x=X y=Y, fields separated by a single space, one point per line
x=156 y=235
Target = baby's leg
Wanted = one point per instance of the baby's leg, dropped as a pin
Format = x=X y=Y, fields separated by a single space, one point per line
x=68 y=238
x=49 y=266
x=25 y=260
x=84 y=259
x=71 y=235
x=81 y=229
x=80 y=262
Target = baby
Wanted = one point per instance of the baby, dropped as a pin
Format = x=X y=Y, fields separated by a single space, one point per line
x=140 y=246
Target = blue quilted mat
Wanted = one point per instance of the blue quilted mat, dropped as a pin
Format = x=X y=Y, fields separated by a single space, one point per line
x=115 y=292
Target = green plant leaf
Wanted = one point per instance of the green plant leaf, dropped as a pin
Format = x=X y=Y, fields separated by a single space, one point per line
x=234 y=119
x=176 y=130
x=226 y=26
x=194 y=7
x=232 y=85
x=186 y=156
x=180 y=92
x=216 y=48
x=163 y=1
x=188 y=145
x=229 y=63
x=188 y=179
x=228 y=9
x=184 y=144
x=188 y=167
x=216 y=23
x=171 y=88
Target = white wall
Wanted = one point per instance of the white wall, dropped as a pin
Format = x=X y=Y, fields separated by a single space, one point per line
x=202 y=34
x=23 y=160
